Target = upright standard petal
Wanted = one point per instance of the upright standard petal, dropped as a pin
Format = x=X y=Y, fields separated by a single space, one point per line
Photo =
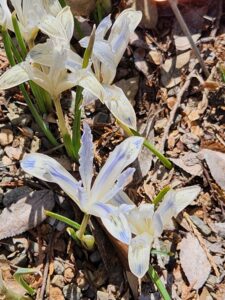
x=86 y=154
x=103 y=27
x=48 y=169
x=139 y=254
x=65 y=17
x=52 y=7
x=119 y=105
x=13 y=77
x=175 y=201
x=118 y=160
x=124 y=179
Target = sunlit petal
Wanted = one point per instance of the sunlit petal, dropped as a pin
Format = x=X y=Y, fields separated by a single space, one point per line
x=124 y=179
x=119 y=105
x=86 y=155
x=118 y=160
x=52 y=7
x=103 y=27
x=48 y=169
x=13 y=77
x=65 y=17
x=120 y=198
x=139 y=254
x=175 y=201
x=118 y=227
x=140 y=219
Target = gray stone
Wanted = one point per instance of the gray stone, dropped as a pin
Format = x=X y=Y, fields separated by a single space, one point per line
x=58 y=267
x=201 y=225
x=95 y=257
x=72 y=292
x=16 y=194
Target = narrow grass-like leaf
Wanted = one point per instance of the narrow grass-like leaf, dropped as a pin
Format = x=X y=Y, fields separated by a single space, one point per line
x=157 y=281
x=19 y=37
x=63 y=219
x=160 y=195
x=20 y=279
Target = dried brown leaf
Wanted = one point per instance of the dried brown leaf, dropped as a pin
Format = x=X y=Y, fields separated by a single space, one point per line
x=26 y=213
x=194 y=261
x=216 y=163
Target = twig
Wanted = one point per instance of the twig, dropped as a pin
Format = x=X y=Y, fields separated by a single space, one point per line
x=46 y=270
x=174 y=110
x=202 y=243
x=186 y=31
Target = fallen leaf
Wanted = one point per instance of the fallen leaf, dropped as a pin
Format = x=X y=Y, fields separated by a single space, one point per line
x=189 y=163
x=194 y=261
x=26 y=213
x=216 y=163
x=6 y=137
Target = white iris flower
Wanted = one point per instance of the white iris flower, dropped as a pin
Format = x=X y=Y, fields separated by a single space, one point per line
x=101 y=198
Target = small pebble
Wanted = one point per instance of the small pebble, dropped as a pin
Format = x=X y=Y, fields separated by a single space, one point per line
x=69 y=274
x=58 y=280
x=6 y=137
x=95 y=257
x=58 y=267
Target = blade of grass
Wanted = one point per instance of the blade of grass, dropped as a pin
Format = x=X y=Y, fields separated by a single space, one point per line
x=20 y=279
x=159 y=284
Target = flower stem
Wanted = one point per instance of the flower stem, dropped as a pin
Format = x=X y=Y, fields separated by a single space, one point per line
x=63 y=219
x=84 y=223
x=157 y=281
x=63 y=129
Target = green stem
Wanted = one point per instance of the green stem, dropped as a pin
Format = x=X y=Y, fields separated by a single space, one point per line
x=63 y=129
x=160 y=195
x=148 y=145
x=19 y=37
x=76 y=136
x=83 y=226
x=62 y=3
x=157 y=281
x=63 y=219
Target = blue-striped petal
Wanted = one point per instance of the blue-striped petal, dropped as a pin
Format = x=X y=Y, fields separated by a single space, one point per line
x=48 y=169
x=139 y=254
x=86 y=154
x=118 y=160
